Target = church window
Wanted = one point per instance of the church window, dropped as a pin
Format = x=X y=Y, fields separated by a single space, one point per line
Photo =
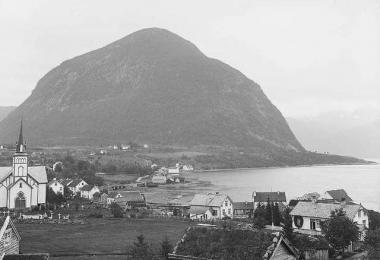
x=20 y=171
x=20 y=184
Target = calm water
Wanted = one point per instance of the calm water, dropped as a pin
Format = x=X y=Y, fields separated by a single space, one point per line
x=362 y=182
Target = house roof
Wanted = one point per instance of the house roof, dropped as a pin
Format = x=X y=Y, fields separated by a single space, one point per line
x=272 y=196
x=65 y=182
x=130 y=196
x=4 y=223
x=323 y=210
x=210 y=199
x=54 y=181
x=243 y=205
x=87 y=187
x=339 y=195
x=75 y=182
x=36 y=172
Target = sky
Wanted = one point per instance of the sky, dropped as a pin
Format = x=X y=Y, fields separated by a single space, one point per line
x=309 y=57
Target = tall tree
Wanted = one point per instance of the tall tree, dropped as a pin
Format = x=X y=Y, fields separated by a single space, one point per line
x=339 y=230
x=288 y=224
x=166 y=247
x=140 y=249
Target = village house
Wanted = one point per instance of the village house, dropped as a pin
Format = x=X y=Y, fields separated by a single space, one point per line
x=243 y=209
x=337 y=196
x=56 y=186
x=308 y=215
x=273 y=197
x=188 y=168
x=173 y=170
x=22 y=186
x=88 y=191
x=76 y=185
x=130 y=200
x=211 y=206
x=159 y=179
x=9 y=238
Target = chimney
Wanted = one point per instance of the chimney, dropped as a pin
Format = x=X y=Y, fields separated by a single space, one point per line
x=343 y=202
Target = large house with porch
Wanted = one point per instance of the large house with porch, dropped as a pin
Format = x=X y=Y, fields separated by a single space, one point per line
x=308 y=215
x=22 y=186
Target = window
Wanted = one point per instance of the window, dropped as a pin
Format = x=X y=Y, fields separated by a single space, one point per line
x=229 y=211
x=20 y=185
x=226 y=203
x=364 y=222
x=214 y=212
x=314 y=224
x=55 y=184
x=224 y=212
x=60 y=188
x=360 y=214
x=7 y=237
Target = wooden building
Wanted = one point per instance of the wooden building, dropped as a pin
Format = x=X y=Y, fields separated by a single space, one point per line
x=9 y=238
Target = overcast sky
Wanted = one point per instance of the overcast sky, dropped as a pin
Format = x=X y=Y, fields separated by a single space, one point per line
x=308 y=56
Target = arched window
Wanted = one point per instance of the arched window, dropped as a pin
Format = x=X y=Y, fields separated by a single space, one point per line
x=20 y=202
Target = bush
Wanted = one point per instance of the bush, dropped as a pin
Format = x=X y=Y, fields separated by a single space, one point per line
x=116 y=210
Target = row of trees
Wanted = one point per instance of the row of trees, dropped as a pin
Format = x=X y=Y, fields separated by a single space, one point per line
x=141 y=250
x=267 y=214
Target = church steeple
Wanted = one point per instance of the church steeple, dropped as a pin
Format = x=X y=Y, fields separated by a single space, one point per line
x=20 y=147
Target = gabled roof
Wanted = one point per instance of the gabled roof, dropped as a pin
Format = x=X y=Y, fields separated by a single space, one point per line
x=243 y=205
x=75 y=182
x=210 y=199
x=87 y=187
x=38 y=173
x=323 y=210
x=65 y=182
x=272 y=196
x=4 y=223
x=339 y=195
x=54 y=181
x=4 y=172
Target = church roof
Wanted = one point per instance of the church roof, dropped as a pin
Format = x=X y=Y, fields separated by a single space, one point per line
x=38 y=173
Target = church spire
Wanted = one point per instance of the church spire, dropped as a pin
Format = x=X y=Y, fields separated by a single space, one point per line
x=20 y=144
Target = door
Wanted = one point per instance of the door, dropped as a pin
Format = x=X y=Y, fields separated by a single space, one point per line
x=20 y=202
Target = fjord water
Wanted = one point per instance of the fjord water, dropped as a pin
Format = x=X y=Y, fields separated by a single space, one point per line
x=362 y=182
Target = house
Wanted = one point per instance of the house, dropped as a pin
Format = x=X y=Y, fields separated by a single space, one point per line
x=211 y=206
x=88 y=191
x=159 y=179
x=243 y=209
x=56 y=186
x=131 y=200
x=66 y=182
x=188 y=168
x=308 y=215
x=76 y=185
x=173 y=170
x=9 y=238
x=22 y=186
x=264 y=197
x=337 y=195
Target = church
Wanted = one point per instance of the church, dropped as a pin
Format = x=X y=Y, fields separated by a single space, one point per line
x=21 y=186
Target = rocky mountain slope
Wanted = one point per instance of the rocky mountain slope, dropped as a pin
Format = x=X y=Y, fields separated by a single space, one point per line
x=150 y=87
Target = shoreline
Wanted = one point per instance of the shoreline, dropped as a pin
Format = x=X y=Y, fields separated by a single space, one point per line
x=281 y=167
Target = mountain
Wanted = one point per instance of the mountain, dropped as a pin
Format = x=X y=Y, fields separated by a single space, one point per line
x=151 y=86
x=4 y=111
x=352 y=134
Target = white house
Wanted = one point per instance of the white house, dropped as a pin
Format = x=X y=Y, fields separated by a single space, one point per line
x=188 y=168
x=22 y=186
x=88 y=191
x=308 y=215
x=211 y=206
x=56 y=186
x=76 y=185
x=173 y=170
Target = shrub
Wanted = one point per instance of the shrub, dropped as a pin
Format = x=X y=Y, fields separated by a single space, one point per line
x=116 y=210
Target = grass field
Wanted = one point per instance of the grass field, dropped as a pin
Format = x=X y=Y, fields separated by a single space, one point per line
x=103 y=236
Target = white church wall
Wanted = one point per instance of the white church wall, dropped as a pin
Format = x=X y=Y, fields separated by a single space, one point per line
x=3 y=197
x=14 y=193
x=42 y=194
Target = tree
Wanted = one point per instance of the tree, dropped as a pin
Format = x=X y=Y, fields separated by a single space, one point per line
x=269 y=212
x=116 y=210
x=140 y=249
x=277 y=218
x=288 y=224
x=259 y=219
x=166 y=247
x=372 y=243
x=374 y=219
x=339 y=230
